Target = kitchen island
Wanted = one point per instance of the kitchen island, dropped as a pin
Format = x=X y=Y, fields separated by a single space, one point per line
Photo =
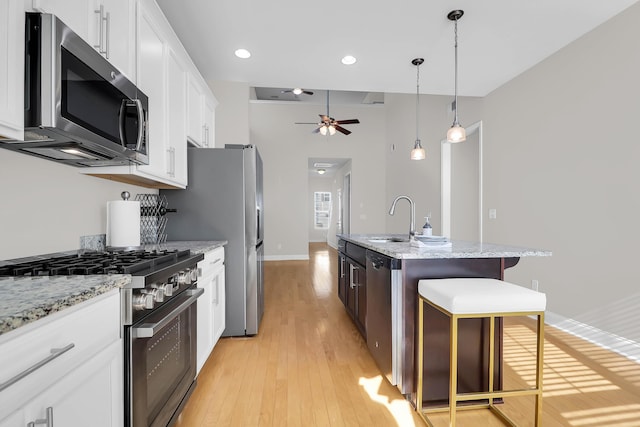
x=378 y=284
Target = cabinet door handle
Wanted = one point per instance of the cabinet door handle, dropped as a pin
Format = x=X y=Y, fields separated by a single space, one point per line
x=354 y=269
x=48 y=422
x=107 y=35
x=55 y=353
x=103 y=37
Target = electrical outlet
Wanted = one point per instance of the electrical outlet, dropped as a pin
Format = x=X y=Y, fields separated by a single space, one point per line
x=534 y=285
x=493 y=214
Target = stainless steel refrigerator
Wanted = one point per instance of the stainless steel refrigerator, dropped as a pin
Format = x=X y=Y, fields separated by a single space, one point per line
x=223 y=201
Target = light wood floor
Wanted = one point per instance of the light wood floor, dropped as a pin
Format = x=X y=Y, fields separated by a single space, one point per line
x=308 y=366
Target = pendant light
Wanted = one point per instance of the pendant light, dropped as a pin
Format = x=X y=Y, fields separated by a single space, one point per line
x=418 y=152
x=456 y=132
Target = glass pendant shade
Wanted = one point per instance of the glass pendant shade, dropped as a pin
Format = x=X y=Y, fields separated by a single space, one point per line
x=332 y=130
x=323 y=130
x=456 y=133
x=418 y=152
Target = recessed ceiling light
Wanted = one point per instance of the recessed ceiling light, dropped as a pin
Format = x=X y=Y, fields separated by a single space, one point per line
x=243 y=53
x=349 y=60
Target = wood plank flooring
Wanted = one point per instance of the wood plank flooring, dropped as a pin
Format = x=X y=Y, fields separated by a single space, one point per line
x=308 y=366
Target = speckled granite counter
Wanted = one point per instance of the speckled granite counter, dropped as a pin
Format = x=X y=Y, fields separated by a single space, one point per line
x=458 y=249
x=196 y=246
x=26 y=299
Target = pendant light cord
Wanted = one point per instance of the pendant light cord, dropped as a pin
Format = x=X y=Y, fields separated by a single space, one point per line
x=455 y=85
x=417 y=101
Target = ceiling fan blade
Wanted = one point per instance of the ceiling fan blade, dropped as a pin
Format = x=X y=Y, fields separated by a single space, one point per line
x=348 y=122
x=286 y=91
x=305 y=123
x=316 y=130
x=342 y=130
x=307 y=92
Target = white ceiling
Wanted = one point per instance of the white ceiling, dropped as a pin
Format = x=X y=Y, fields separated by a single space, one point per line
x=299 y=43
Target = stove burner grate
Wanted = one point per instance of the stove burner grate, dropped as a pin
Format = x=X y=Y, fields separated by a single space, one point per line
x=115 y=262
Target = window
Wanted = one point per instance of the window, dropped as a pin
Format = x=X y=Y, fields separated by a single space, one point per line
x=322 y=209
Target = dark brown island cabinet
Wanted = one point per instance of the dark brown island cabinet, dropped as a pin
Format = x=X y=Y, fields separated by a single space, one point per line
x=378 y=285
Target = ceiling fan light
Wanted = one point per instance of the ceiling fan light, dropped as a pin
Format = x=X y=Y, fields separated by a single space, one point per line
x=321 y=171
x=323 y=130
x=332 y=130
x=456 y=133
x=418 y=153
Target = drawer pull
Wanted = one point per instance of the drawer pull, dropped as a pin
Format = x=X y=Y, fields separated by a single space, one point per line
x=48 y=422
x=55 y=353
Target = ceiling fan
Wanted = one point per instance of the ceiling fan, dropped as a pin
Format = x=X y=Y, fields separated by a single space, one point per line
x=297 y=91
x=330 y=125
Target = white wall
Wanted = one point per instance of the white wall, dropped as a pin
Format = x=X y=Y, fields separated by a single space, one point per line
x=285 y=148
x=232 y=112
x=337 y=184
x=562 y=170
x=319 y=183
x=419 y=179
x=47 y=206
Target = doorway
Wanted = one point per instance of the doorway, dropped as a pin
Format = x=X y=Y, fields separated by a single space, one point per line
x=461 y=188
x=330 y=180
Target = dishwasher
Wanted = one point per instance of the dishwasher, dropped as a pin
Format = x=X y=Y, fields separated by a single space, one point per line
x=383 y=314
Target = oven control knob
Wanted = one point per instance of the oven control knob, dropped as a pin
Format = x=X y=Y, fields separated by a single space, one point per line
x=167 y=288
x=184 y=278
x=158 y=293
x=143 y=301
x=194 y=275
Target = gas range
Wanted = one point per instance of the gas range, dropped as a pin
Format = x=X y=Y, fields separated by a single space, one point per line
x=156 y=275
x=159 y=317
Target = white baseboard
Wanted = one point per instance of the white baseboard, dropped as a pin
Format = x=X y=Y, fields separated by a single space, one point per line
x=332 y=245
x=286 y=257
x=620 y=345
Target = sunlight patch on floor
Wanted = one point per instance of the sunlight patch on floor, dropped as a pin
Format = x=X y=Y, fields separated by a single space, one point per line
x=618 y=416
x=563 y=373
x=399 y=408
x=321 y=265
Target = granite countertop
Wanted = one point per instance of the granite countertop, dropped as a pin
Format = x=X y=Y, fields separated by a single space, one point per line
x=26 y=299
x=196 y=246
x=458 y=248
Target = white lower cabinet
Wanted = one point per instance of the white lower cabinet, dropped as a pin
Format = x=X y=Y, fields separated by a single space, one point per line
x=82 y=385
x=211 y=305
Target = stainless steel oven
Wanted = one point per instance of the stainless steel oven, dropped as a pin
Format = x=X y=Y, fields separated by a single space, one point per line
x=162 y=361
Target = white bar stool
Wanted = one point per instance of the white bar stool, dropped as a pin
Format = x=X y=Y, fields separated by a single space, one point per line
x=461 y=298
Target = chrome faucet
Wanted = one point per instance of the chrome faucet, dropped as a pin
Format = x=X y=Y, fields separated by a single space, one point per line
x=412 y=225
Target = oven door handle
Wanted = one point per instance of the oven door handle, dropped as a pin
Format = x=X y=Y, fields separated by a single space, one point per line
x=148 y=330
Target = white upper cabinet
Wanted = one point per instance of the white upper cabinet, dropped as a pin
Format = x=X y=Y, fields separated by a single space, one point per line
x=74 y=13
x=177 y=110
x=201 y=106
x=165 y=73
x=11 y=69
x=112 y=32
x=195 y=98
x=210 y=104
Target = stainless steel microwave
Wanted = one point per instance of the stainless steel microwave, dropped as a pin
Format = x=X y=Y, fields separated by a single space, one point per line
x=79 y=109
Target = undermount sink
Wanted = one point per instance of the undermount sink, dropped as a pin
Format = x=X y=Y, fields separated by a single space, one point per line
x=388 y=239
